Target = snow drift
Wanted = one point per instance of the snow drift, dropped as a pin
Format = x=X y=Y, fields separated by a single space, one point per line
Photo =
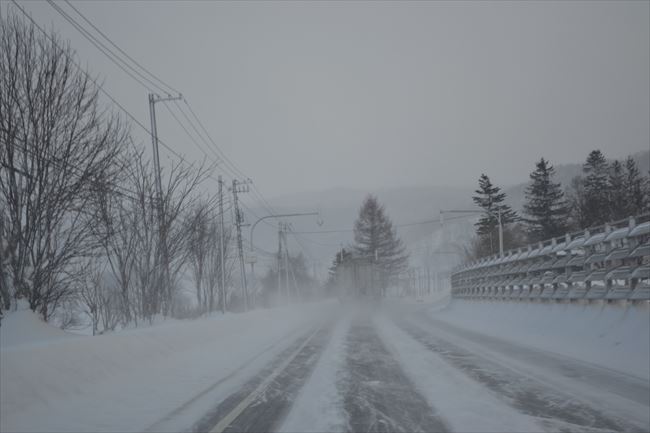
x=616 y=337
x=127 y=381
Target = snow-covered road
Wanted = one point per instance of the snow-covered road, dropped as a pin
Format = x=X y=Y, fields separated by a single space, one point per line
x=399 y=369
x=394 y=367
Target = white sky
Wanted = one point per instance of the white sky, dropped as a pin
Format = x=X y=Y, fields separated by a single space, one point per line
x=311 y=95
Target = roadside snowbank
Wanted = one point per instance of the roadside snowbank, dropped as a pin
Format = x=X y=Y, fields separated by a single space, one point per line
x=129 y=380
x=611 y=336
x=25 y=327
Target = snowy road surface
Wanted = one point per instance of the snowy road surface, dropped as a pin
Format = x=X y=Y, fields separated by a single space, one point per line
x=400 y=370
x=396 y=367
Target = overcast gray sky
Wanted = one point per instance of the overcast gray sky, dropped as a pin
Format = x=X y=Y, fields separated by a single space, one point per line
x=311 y=95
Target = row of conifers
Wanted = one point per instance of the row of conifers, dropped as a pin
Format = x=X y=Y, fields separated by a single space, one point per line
x=610 y=263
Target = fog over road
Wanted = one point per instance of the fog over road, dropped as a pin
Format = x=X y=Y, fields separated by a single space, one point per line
x=395 y=367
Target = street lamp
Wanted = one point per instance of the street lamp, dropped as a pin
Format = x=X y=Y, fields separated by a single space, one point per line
x=497 y=214
x=319 y=221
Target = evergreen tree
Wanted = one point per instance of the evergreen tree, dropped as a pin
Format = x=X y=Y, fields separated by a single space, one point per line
x=577 y=204
x=596 y=190
x=376 y=240
x=545 y=206
x=491 y=200
x=342 y=257
x=646 y=208
x=619 y=207
x=636 y=189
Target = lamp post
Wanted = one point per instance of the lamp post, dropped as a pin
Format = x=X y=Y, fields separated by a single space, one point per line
x=319 y=221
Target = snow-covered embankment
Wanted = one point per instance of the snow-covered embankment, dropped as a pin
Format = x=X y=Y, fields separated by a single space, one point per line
x=612 y=336
x=52 y=381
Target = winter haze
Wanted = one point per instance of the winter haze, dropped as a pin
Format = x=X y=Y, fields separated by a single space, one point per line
x=325 y=216
x=314 y=95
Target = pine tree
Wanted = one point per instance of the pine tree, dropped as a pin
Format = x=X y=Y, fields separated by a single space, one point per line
x=619 y=207
x=545 y=206
x=636 y=189
x=596 y=189
x=490 y=199
x=376 y=239
x=646 y=208
x=342 y=257
x=577 y=204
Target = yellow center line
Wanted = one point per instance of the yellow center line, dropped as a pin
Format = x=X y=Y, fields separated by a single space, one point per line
x=232 y=415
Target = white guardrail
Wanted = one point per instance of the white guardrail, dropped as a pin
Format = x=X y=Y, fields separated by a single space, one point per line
x=609 y=263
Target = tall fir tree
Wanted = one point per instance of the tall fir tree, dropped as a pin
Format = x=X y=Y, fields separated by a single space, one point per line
x=490 y=198
x=575 y=194
x=342 y=257
x=619 y=207
x=376 y=240
x=596 y=189
x=545 y=208
x=636 y=189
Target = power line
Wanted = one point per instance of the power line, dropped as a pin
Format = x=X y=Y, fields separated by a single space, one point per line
x=105 y=50
x=120 y=50
x=301 y=245
x=325 y=231
x=396 y=225
x=305 y=238
x=116 y=59
x=236 y=171
x=189 y=121
x=185 y=129
x=63 y=165
x=99 y=87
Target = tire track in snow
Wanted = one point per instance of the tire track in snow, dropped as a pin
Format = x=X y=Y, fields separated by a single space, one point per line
x=263 y=401
x=319 y=405
x=160 y=425
x=378 y=396
x=525 y=394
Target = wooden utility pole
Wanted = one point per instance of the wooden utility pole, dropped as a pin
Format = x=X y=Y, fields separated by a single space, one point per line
x=164 y=277
x=240 y=187
x=222 y=252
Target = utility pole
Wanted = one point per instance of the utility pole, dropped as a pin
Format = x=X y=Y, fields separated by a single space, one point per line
x=162 y=228
x=222 y=258
x=283 y=260
x=319 y=221
x=240 y=187
x=500 y=233
x=286 y=261
x=279 y=257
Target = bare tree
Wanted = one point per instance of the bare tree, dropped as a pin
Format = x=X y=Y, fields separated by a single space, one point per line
x=213 y=271
x=178 y=196
x=5 y=293
x=57 y=148
x=198 y=249
x=99 y=297
x=205 y=255
x=154 y=289
x=115 y=231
